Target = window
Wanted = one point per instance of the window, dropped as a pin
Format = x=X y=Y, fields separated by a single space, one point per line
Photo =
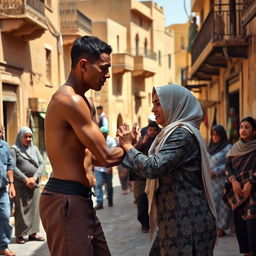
x=48 y=66
x=146 y=47
x=159 y=58
x=137 y=45
x=183 y=75
x=117 y=44
x=169 y=61
x=182 y=42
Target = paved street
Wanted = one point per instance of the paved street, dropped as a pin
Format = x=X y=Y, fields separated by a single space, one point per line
x=123 y=232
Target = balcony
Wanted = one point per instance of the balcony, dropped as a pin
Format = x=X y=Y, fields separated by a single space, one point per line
x=221 y=37
x=121 y=63
x=23 y=18
x=145 y=63
x=249 y=11
x=74 y=24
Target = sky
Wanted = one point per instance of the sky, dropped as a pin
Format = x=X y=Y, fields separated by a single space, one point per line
x=174 y=10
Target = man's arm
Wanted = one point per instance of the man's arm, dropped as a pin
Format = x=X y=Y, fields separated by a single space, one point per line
x=76 y=112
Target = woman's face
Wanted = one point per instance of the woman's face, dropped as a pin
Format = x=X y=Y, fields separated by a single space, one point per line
x=246 y=131
x=215 y=137
x=26 y=139
x=157 y=110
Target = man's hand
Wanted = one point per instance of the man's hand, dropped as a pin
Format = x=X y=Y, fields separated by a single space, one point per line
x=247 y=189
x=12 y=192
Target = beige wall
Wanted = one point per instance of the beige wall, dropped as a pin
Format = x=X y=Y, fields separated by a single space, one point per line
x=24 y=65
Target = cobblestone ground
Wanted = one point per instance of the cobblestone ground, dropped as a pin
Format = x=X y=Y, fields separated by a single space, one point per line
x=122 y=232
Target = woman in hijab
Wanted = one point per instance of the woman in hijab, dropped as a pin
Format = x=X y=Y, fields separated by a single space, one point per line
x=218 y=147
x=241 y=172
x=177 y=171
x=29 y=167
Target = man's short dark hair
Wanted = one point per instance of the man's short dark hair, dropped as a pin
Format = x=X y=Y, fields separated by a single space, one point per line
x=99 y=107
x=153 y=124
x=88 y=47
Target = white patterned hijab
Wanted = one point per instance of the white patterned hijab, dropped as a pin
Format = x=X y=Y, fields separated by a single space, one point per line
x=30 y=152
x=180 y=108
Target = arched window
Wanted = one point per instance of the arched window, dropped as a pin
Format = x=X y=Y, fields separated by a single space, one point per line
x=137 y=45
x=146 y=47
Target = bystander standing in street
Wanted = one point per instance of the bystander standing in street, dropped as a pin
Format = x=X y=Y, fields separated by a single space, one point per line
x=102 y=117
x=139 y=183
x=218 y=147
x=241 y=173
x=104 y=175
x=29 y=166
x=6 y=180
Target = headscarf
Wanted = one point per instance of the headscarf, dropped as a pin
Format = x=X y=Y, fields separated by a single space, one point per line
x=180 y=108
x=214 y=148
x=29 y=152
x=241 y=147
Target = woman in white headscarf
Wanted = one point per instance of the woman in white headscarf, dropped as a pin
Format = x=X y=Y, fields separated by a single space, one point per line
x=178 y=182
x=29 y=167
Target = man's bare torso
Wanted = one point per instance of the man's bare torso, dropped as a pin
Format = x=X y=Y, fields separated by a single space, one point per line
x=65 y=151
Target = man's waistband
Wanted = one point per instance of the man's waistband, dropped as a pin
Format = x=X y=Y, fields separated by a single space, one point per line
x=68 y=187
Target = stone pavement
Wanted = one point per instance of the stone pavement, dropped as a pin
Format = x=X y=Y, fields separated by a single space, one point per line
x=122 y=232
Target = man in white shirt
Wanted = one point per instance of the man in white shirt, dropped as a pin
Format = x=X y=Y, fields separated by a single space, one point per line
x=102 y=117
x=104 y=174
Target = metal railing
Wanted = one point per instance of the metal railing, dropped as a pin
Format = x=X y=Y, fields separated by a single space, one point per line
x=18 y=7
x=72 y=20
x=224 y=22
x=249 y=11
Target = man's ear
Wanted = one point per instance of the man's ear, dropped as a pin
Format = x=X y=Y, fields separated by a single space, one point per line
x=83 y=64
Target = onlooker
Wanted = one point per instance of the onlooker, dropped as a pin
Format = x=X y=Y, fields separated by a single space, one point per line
x=179 y=185
x=6 y=177
x=28 y=170
x=151 y=118
x=104 y=174
x=241 y=172
x=139 y=183
x=123 y=174
x=102 y=117
x=218 y=147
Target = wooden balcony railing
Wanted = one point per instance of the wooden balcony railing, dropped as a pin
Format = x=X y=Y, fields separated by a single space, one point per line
x=73 y=20
x=249 y=11
x=19 y=7
x=223 y=23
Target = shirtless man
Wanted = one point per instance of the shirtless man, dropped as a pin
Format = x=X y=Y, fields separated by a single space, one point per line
x=73 y=139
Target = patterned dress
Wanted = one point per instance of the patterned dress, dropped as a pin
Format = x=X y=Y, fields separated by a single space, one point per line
x=186 y=225
x=217 y=164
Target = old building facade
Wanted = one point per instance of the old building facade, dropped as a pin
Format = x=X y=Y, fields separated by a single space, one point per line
x=31 y=64
x=223 y=60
